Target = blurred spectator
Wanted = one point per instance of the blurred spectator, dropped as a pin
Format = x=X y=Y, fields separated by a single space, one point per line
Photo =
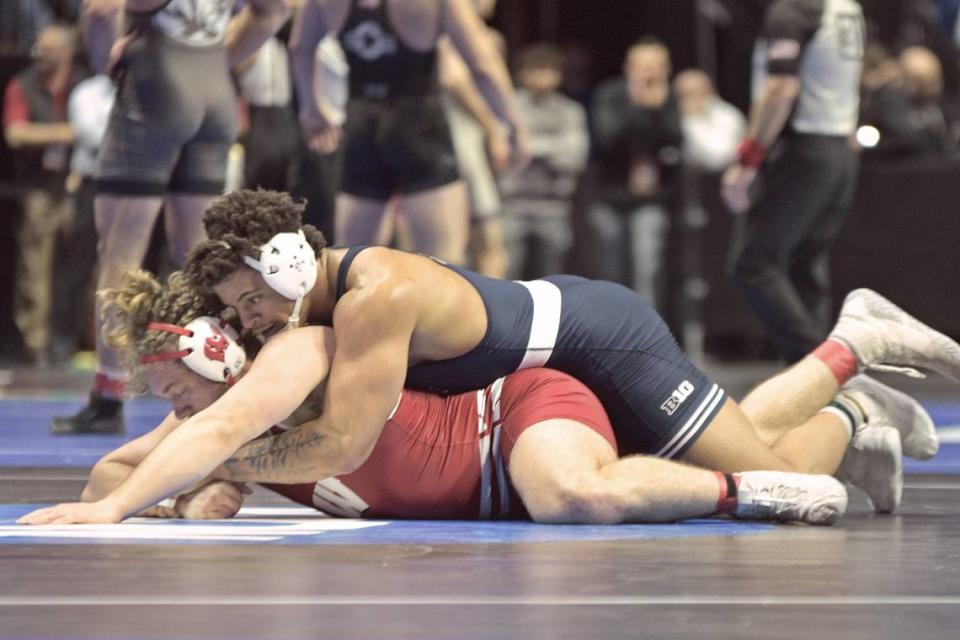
x=319 y=174
x=712 y=128
x=272 y=141
x=88 y=109
x=482 y=148
x=637 y=136
x=537 y=200
x=36 y=128
x=908 y=108
x=20 y=24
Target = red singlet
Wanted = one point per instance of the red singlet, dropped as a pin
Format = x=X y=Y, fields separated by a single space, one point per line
x=448 y=457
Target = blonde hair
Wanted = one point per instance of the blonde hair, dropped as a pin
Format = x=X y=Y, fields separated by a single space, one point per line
x=127 y=311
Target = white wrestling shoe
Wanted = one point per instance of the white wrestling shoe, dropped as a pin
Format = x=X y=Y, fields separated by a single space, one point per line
x=782 y=496
x=874 y=463
x=884 y=337
x=883 y=404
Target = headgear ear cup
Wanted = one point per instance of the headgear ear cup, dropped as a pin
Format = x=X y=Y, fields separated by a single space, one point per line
x=289 y=267
x=206 y=346
x=288 y=264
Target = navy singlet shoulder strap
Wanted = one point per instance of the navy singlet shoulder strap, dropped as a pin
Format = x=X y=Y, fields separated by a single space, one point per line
x=345 y=268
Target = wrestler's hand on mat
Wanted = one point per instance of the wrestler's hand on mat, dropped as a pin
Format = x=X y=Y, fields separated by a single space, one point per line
x=735 y=188
x=213 y=501
x=101 y=512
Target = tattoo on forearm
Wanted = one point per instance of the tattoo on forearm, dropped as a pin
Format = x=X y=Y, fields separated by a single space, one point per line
x=288 y=457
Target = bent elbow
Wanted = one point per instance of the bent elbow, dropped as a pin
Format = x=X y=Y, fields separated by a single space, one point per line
x=784 y=87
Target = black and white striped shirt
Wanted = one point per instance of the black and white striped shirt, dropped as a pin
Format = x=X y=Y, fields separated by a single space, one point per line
x=821 y=42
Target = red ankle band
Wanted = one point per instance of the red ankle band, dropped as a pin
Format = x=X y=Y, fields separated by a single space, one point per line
x=109 y=387
x=839 y=359
x=728 y=483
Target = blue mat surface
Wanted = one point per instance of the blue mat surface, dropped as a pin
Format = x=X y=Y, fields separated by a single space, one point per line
x=283 y=526
x=25 y=439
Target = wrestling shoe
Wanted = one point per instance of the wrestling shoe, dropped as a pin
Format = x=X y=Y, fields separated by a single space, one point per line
x=884 y=337
x=883 y=404
x=787 y=497
x=874 y=463
x=101 y=415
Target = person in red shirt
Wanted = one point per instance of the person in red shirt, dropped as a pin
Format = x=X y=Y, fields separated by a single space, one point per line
x=36 y=129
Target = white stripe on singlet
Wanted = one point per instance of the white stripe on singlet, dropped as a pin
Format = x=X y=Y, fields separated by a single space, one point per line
x=693 y=424
x=545 y=324
x=504 y=490
x=486 y=490
x=491 y=461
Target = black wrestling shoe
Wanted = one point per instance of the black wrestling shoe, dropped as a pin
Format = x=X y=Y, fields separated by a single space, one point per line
x=101 y=415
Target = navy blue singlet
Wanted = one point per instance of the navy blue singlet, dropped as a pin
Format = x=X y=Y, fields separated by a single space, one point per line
x=601 y=333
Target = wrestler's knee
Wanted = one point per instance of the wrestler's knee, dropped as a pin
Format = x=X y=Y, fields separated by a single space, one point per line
x=577 y=500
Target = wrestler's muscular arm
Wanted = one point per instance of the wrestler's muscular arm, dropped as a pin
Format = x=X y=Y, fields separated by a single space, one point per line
x=310 y=25
x=373 y=326
x=281 y=378
x=257 y=21
x=112 y=469
x=468 y=34
x=211 y=500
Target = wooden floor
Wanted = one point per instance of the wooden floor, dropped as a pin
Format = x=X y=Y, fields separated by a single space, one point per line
x=278 y=573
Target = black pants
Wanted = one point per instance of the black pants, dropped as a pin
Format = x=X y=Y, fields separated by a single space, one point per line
x=781 y=258
x=75 y=264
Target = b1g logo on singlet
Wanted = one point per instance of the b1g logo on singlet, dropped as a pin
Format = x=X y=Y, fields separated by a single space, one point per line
x=369 y=42
x=677 y=397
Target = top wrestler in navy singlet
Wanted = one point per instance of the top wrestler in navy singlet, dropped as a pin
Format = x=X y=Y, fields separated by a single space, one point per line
x=601 y=333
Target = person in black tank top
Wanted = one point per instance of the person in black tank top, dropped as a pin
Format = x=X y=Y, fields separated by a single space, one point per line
x=396 y=140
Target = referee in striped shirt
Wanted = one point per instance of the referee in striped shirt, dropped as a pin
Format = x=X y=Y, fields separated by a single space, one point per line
x=796 y=170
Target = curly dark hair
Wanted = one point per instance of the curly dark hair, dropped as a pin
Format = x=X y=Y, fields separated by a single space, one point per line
x=258 y=215
x=238 y=224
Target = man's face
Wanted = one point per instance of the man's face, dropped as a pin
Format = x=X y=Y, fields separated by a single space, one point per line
x=262 y=311
x=52 y=50
x=188 y=392
x=540 y=79
x=647 y=64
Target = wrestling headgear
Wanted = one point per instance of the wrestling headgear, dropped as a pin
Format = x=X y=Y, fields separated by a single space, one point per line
x=289 y=267
x=206 y=346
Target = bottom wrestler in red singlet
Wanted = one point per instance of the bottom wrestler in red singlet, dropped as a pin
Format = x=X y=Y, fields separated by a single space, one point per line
x=448 y=457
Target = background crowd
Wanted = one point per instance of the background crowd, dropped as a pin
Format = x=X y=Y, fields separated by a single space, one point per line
x=620 y=180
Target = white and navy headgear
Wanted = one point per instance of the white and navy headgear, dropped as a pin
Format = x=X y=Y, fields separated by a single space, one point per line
x=288 y=265
x=207 y=346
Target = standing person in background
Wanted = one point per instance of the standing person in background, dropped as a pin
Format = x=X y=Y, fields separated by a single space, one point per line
x=89 y=110
x=320 y=170
x=37 y=130
x=271 y=144
x=482 y=148
x=637 y=136
x=537 y=199
x=166 y=142
x=807 y=67
x=712 y=128
x=396 y=139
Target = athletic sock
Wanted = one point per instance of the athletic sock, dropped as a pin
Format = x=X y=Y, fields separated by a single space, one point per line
x=107 y=386
x=727 y=500
x=849 y=411
x=839 y=358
